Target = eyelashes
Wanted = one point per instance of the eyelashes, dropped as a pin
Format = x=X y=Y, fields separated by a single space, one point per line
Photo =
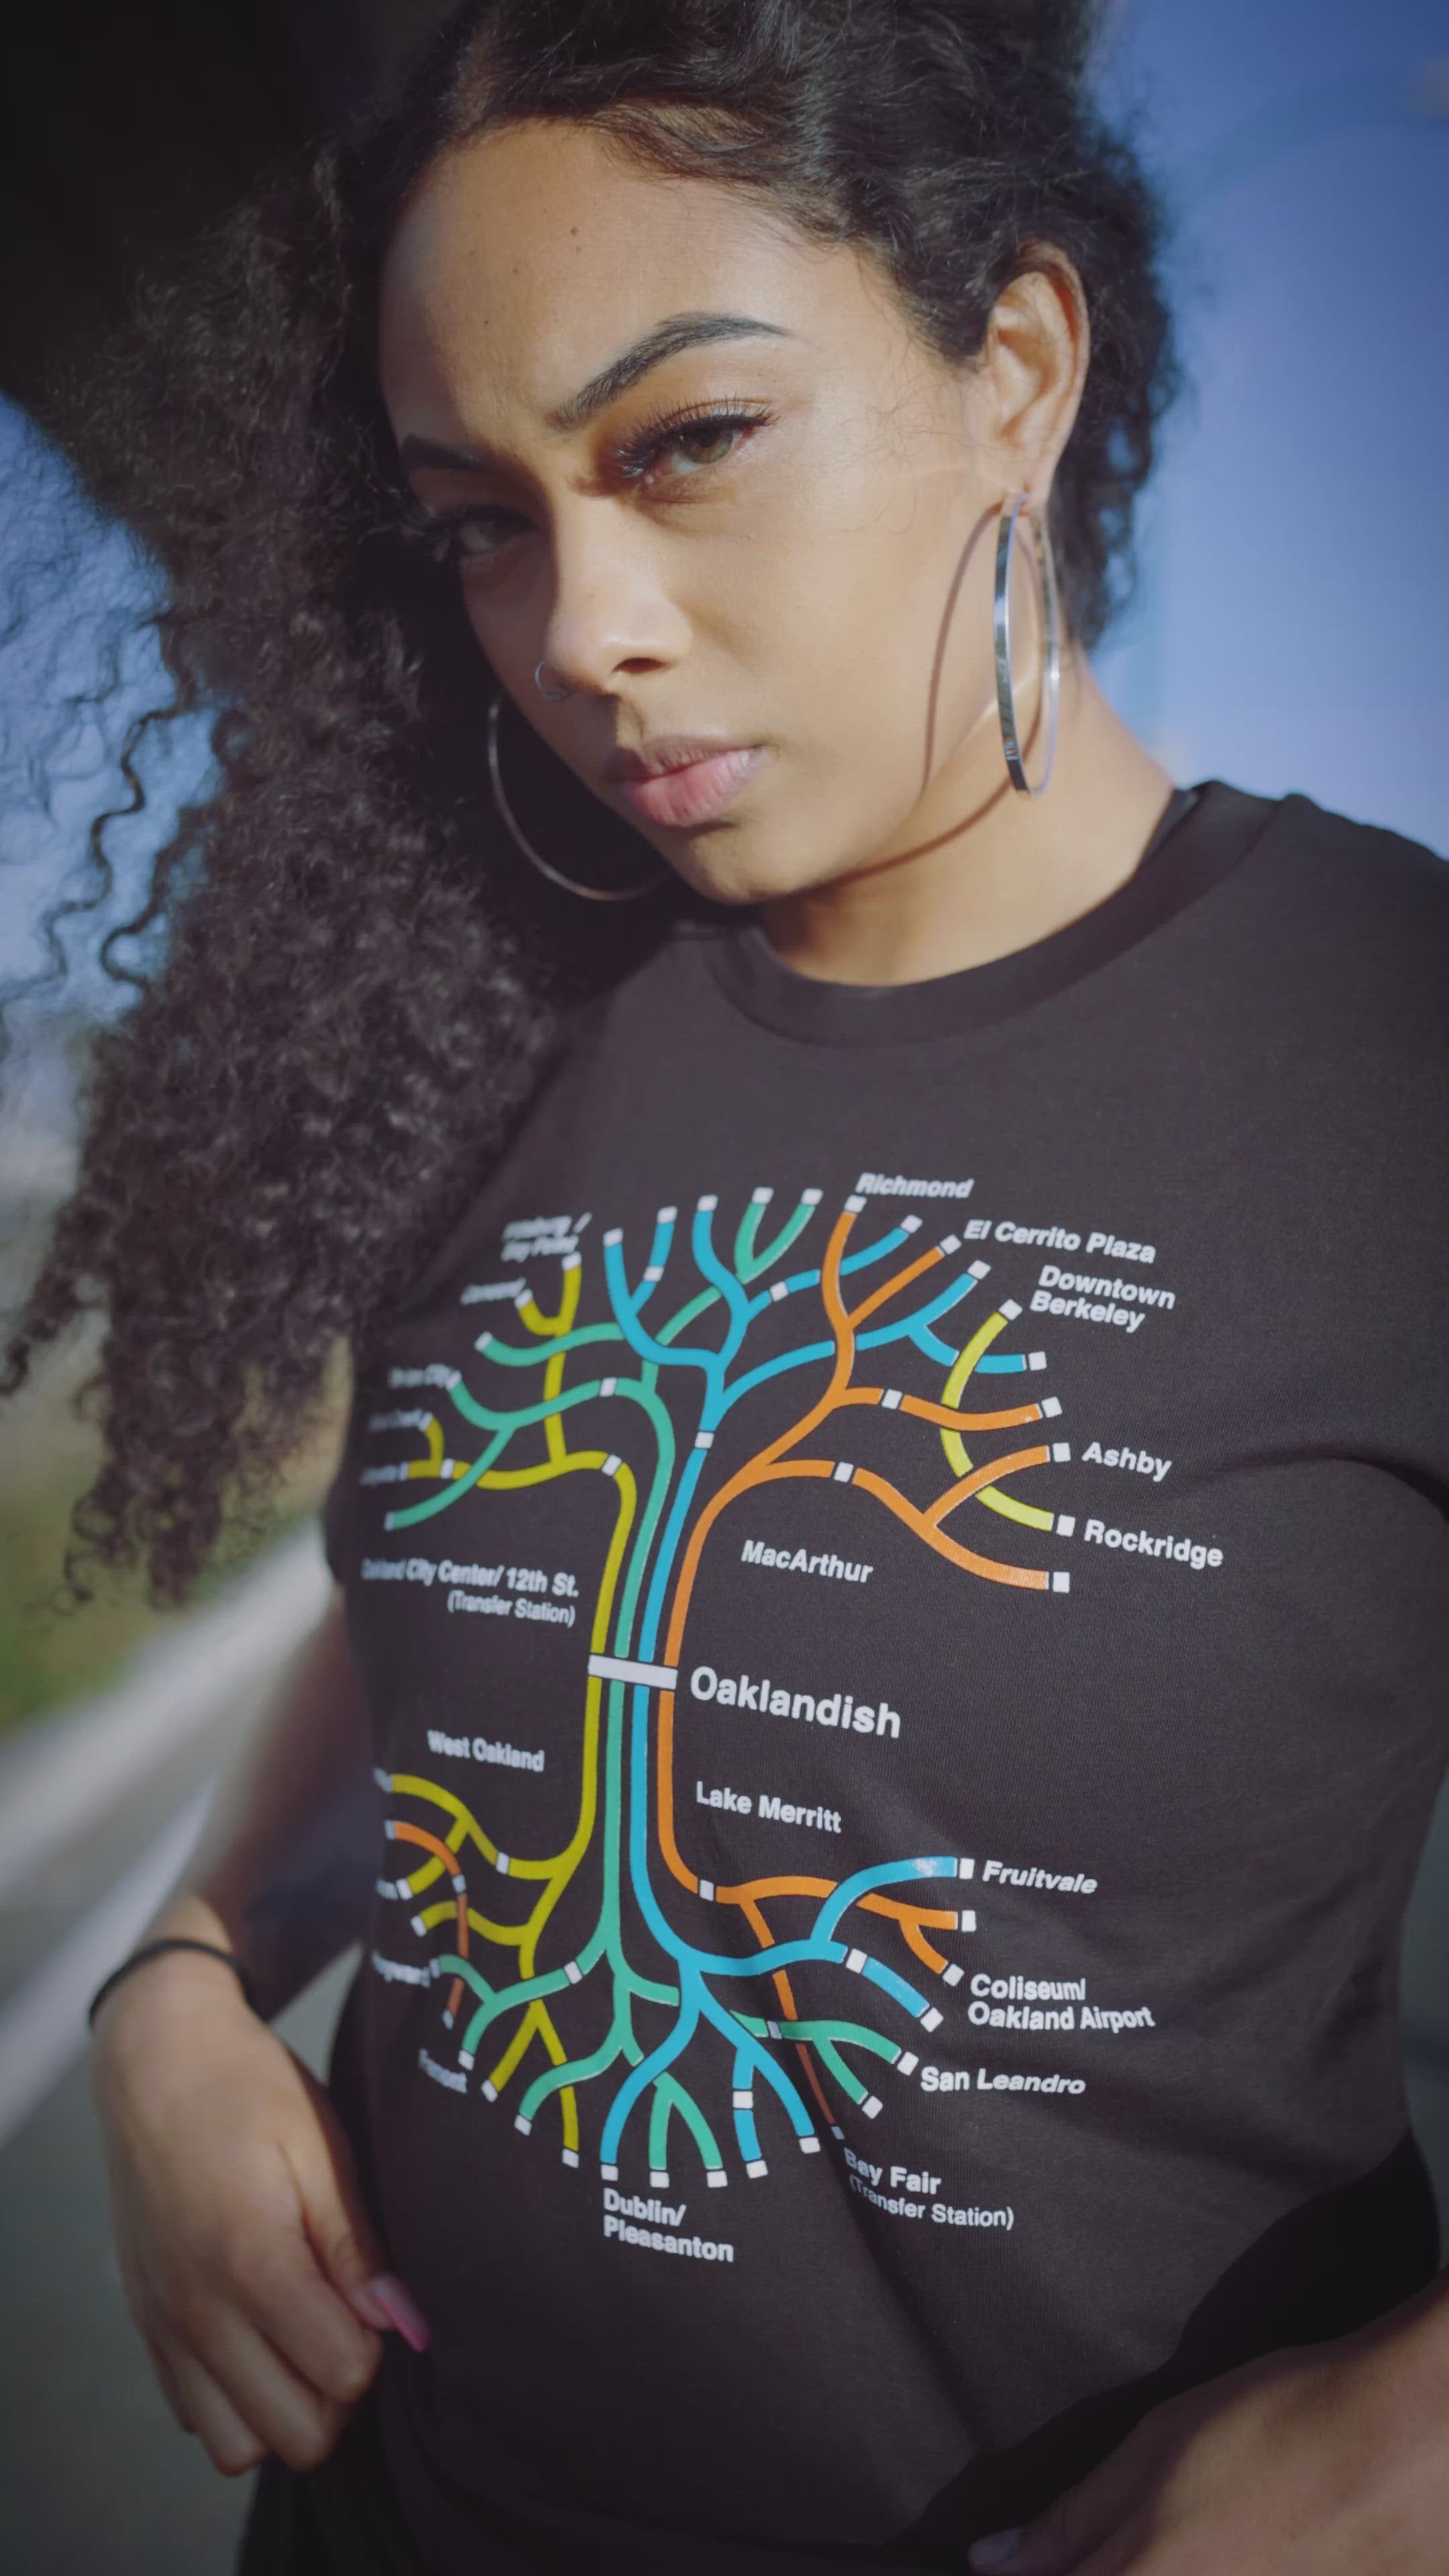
x=667 y=429
x=476 y=530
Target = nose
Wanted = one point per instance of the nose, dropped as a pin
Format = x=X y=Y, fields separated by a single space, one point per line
x=610 y=616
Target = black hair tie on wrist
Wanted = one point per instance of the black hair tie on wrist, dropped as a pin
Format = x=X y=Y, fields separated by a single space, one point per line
x=153 y=1950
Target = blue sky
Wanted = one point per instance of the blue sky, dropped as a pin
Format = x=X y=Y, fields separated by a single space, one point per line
x=1296 y=539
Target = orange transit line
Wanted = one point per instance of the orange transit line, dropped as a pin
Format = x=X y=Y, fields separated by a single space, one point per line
x=770 y=1465
x=403 y=1833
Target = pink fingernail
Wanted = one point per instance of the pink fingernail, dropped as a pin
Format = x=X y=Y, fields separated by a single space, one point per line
x=400 y=2308
x=997 y=2550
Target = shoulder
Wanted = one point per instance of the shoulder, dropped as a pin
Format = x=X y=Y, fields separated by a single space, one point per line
x=1358 y=873
x=1347 y=914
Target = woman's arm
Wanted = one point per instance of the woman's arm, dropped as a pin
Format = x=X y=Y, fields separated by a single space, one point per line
x=1327 y=2461
x=284 y=1857
x=249 y=2262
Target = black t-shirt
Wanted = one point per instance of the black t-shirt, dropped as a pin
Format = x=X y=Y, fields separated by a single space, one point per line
x=898 y=1561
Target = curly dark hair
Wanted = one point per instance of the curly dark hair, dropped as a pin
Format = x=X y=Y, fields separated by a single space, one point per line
x=359 y=985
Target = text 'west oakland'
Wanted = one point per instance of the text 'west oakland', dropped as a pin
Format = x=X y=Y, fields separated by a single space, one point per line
x=773 y=1699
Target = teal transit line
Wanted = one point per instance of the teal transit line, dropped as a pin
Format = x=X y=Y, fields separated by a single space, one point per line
x=485 y=1418
x=643 y=2076
x=408 y=1514
x=580 y=2070
x=643 y=1342
x=708 y=1260
x=446 y=1963
x=654 y=1604
x=551 y=1981
x=750 y=1264
x=670 y=2096
x=697 y=1306
x=663 y=1428
x=534 y=1354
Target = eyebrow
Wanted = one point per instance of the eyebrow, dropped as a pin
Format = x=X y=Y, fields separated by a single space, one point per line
x=667 y=338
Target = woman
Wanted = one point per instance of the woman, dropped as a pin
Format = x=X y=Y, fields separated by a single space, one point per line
x=890 y=1548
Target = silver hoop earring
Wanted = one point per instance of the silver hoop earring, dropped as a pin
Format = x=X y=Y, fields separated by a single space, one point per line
x=1051 y=678
x=555 y=876
x=553 y=695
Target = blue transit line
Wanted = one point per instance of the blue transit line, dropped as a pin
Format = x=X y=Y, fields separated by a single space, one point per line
x=663 y=1427
x=708 y=1262
x=1002 y=1364
x=782 y=1289
x=909 y=1325
x=745 y=2130
x=752 y=2053
x=659 y=1252
x=876 y=1974
x=654 y=1603
x=515 y=1355
x=782 y=1954
x=887 y=1873
x=935 y=1349
x=409 y=1513
x=877 y=1251
x=670 y=2047
x=811 y=1278
x=634 y=1333
x=777 y=1368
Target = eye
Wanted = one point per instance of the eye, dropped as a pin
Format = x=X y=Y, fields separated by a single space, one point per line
x=450 y=536
x=483 y=531
x=710 y=438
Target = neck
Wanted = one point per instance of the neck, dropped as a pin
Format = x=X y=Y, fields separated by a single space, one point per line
x=959 y=892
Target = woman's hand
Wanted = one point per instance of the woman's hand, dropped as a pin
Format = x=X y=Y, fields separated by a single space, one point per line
x=1326 y=2461
x=244 y=2249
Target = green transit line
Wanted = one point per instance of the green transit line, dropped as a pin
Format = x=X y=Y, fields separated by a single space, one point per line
x=447 y=1961
x=686 y=1316
x=410 y=1513
x=670 y=2095
x=853 y=2031
x=822 y=2036
x=514 y=1355
x=485 y=1419
x=755 y=1263
x=581 y=2070
x=850 y=2083
x=549 y=1981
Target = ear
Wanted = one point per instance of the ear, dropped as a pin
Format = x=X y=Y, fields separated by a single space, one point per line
x=1035 y=365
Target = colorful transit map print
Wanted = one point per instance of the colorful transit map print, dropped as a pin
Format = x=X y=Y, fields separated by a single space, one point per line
x=487 y=1955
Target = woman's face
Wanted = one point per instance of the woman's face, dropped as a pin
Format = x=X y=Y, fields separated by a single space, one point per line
x=804 y=582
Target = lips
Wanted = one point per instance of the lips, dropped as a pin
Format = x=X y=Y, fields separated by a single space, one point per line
x=681 y=782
